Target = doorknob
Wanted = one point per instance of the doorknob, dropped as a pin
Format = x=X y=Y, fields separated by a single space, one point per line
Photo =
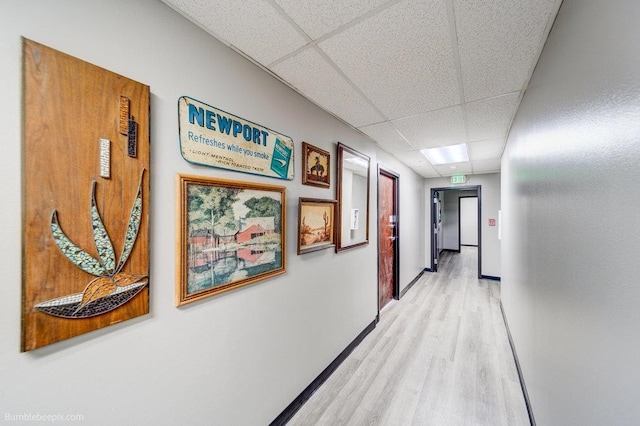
x=393 y=238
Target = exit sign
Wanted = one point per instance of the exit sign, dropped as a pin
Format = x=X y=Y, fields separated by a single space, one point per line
x=455 y=179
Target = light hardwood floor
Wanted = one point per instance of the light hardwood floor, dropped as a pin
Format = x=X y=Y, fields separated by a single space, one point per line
x=439 y=356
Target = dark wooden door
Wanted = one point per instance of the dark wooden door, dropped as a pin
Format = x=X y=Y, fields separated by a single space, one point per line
x=388 y=237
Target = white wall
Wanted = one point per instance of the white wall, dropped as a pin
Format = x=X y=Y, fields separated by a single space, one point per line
x=237 y=358
x=412 y=225
x=490 y=193
x=571 y=236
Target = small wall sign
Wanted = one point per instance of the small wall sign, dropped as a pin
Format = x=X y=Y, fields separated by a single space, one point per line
x=213 y=137
x=492 y=222
x=458 y=179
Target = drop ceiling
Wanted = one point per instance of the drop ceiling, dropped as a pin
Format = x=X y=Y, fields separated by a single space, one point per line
x=409 y=74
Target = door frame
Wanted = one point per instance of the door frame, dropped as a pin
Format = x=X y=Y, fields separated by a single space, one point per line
x=478 y=188
x=396 y=247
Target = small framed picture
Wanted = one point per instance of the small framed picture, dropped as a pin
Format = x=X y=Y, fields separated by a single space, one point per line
x=316 y=230
x=230 y=234
x=316 y=166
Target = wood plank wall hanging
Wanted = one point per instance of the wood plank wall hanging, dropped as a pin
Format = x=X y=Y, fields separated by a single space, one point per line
x=85 y=197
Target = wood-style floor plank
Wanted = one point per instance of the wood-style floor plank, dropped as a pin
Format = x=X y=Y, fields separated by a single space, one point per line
x=440 y=356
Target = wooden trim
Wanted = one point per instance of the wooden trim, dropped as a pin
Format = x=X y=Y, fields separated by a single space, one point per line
x=297 y=403
x=342 y=148
x=527 y=402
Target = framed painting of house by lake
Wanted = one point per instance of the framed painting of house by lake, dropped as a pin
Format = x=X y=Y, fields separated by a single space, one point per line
x=316 y=220
x=230 y=234
x=316 y=166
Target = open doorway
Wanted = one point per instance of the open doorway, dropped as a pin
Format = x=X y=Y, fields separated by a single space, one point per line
x=446 y=222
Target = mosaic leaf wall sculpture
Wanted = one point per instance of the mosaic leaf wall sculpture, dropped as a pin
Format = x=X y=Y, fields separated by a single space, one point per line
x=111 y=288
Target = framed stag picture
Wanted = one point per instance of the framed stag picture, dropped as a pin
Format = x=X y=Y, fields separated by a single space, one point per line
x=316 y=166
x=316 y=229
x=230 y=234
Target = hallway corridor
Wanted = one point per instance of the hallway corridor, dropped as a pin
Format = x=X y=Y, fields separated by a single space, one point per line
x=439 y=356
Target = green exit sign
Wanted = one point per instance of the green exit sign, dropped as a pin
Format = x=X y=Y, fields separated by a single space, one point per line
x=456 y=179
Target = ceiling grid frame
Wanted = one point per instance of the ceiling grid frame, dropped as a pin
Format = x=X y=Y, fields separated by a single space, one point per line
x=494 y=44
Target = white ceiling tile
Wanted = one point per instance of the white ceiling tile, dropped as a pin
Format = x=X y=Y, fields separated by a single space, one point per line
x=327 y=88
x=454 y=169
x=387 y=137
x=413 y=159
x=436 y=128
x=499 y=42
x=317 y=18
x=486 y=166
x=491 y=118
x=252 y=26
x=394 y=60
x=401 y=58
x=426 y=171
x=486 y=150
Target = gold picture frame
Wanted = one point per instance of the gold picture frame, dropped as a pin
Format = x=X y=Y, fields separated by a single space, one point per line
x=230 y=234
x=316 y=224
x=316 y=166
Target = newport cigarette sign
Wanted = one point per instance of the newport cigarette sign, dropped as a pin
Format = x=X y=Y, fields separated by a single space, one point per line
x=213 y=137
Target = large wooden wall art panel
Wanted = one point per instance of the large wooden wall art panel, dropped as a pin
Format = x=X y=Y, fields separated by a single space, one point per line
x=86 y=197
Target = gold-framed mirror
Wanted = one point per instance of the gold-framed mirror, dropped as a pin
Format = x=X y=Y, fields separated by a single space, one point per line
x=353 y=198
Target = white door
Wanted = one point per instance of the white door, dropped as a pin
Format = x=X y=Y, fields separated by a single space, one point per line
x=469 y=221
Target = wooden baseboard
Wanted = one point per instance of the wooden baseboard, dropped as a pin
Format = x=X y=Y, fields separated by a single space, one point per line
x=297 y=403
x=532 y=420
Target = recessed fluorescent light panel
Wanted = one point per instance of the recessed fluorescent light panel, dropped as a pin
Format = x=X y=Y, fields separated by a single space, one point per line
x=446 y=154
